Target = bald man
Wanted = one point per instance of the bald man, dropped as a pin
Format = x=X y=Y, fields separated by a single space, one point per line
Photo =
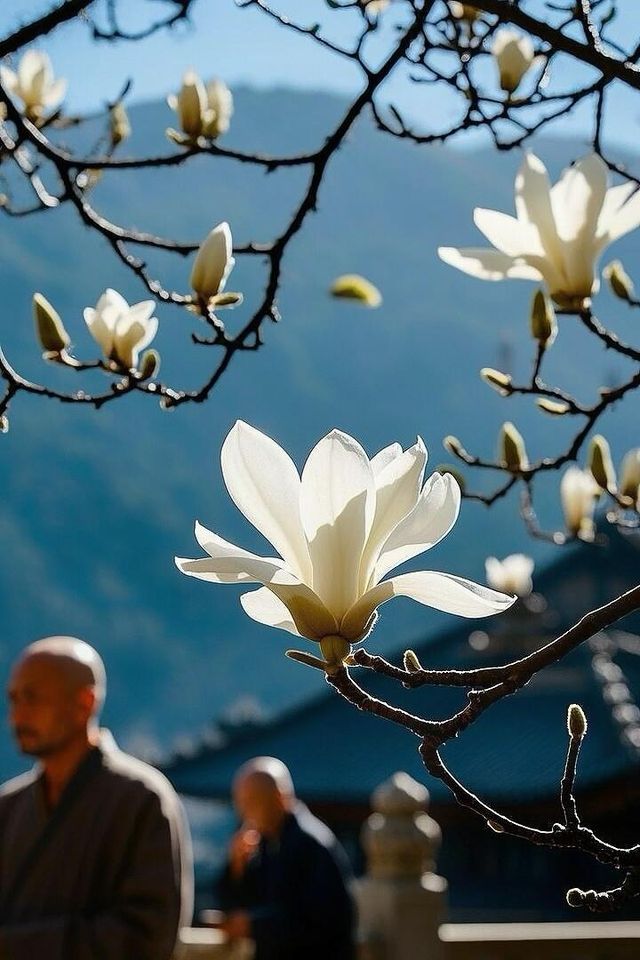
x=286 y=882
x=94 y=853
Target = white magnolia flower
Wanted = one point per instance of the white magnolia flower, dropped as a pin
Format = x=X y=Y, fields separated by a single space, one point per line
x=202 y=110
x=34 y=84
x=514 y=56
x=511 y=575
x=338 y=529
x=558 y=232
x=120 y=330
x=213 y=263
x=579 y=492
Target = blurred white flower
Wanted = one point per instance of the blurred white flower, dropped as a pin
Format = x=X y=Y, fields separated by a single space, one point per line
x=34 y=84
x=203 y=110
x=339 y=529
x=219 y=109
x=511 y=575
x=120 y=330
x=558 y=233
x=464 y=11
x=514 y=56
x=579 y=492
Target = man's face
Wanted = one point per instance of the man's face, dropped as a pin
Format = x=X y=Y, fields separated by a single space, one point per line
x=258 y=806
x=45 y=713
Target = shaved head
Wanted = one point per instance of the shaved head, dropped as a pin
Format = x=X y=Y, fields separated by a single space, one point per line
x=56 y=690
x=263 y=794
x=76 y=662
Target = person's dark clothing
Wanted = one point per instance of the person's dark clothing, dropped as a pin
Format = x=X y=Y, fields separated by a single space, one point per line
x=106 y=875
x=296 y=891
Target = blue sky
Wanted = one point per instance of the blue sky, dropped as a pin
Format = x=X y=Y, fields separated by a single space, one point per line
x=245 y=47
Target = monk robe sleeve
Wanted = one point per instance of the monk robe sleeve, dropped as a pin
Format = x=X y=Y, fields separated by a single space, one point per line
x=142 y=921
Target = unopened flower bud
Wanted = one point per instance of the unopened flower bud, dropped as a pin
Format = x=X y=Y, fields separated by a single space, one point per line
x=576 y=722
x=149 y=364
x=495 y=826
x=630 y=474
x=555 y=407
x=213 y=263
x=497 y=379
x=120 y=126
x=351 y=286
x=49 y=327
x=619 y=280
x=411 y=662
x=4 y=424
x=544 y=326
x=453 y=445
x=464 y=11
x=512 y=453
x=600 y=463
x=307 y=658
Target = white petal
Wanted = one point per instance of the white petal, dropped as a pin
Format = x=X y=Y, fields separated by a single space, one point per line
x=443 y=591
x=431 y=519
x=626 y=219
x=337 y=503
x=142 y=311
x=265 y=486
x=113 y=301
x=263 y=605
x=577 y=200
x=8 y=79
x=32 y=63
x=487 y=264
x=385 y=456
x=99 y=330
x=508 y=235
x=55 y=93
x=132 y=337
x=397 y=490
x=533 y=204
x=613 y=201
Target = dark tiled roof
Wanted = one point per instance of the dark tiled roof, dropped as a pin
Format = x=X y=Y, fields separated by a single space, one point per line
x=515 y=751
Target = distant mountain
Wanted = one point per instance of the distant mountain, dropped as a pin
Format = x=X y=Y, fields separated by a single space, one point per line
x=94 y=506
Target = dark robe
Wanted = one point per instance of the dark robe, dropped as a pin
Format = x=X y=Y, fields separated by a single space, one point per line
x=106 y=875
x=296 y=890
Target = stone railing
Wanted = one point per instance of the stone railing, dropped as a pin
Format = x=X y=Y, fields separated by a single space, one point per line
x=402 y=903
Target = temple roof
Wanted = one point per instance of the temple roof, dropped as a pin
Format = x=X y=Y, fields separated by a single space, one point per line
x=515 y=751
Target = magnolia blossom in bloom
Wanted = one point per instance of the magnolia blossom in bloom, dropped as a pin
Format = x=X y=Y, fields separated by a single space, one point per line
x=203 y=110
x=34 y=84
x=213 y=264
x=558 y=232
x=514 y=56
x=120 y=330
x=511 y=575
x=579 y=492
x=339 y=529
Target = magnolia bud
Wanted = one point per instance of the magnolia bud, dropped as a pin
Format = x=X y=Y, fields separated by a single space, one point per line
x=213 y=263
x=411 y=662
x=120 y=126
x=511 y=449
x=192 y=103
x=600 y=464
x=453 y=445
x=542 y=319
x=619 y=280
x=576 y=722
x=149 y=364
x=49 y=327
x=4 y=424
x=496 y=379
x=554 y=407
x=464 y=11
x=630 y=474
x=307 y=658
x=351 y=286
x=495 y=826
x=230 y=299
x=575 y=897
